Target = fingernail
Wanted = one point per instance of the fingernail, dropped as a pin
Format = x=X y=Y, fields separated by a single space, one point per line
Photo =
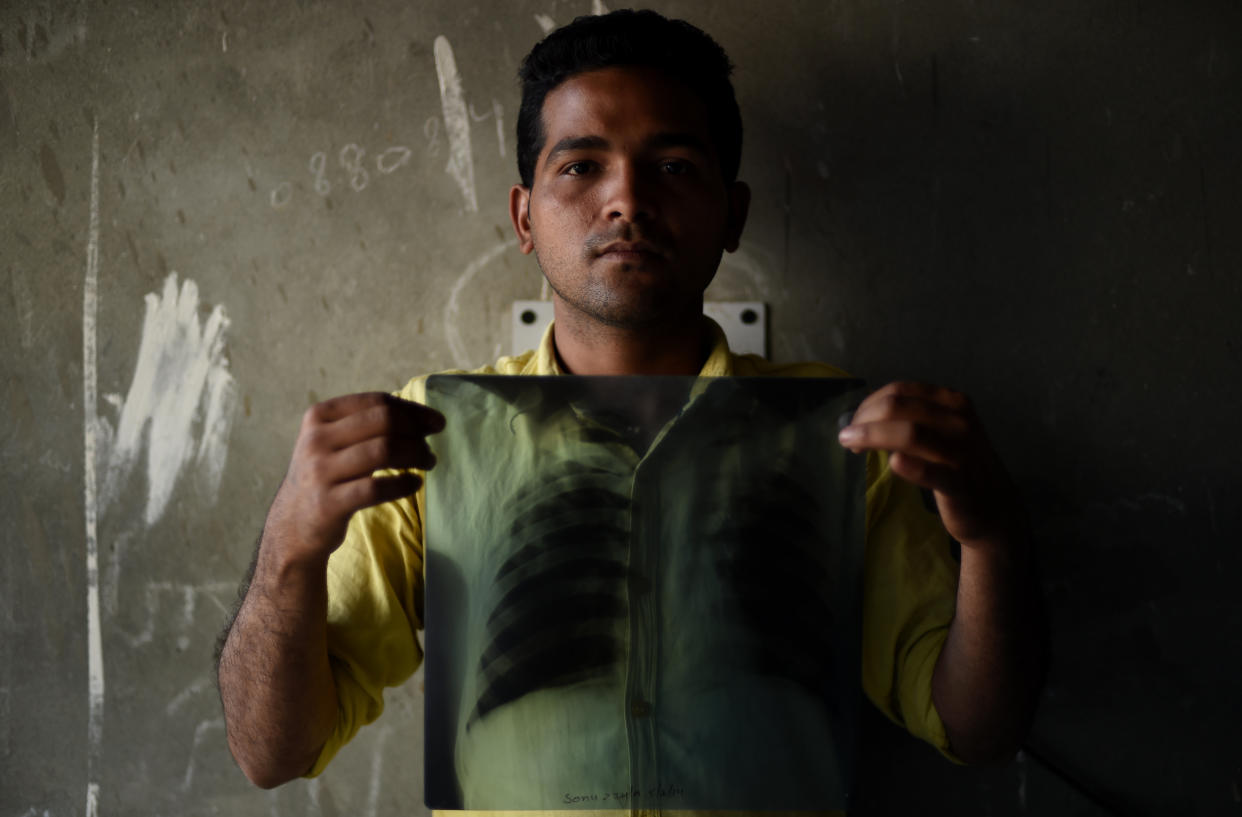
x=849 y=435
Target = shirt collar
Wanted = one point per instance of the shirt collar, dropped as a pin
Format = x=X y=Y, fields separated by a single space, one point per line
x=719 y=361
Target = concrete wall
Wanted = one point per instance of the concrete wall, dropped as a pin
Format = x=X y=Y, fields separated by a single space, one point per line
x=216 y=213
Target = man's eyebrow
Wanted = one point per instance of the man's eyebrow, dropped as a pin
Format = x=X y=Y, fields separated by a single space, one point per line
x=674 y=139
x=666 y=139
x=571 y=143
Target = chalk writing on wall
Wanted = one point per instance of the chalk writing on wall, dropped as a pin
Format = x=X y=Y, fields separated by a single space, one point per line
x=349 y=167
x=352 y=166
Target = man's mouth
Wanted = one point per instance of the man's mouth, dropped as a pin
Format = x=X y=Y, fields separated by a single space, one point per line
x=630 y=251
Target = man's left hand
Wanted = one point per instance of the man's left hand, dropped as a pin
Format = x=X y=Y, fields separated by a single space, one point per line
x=936 y=441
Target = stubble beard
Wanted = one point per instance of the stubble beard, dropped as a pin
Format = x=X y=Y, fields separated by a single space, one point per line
x=604 y=305
x=654 y=306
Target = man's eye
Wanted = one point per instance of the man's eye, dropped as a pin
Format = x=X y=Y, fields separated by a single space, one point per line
x=578 y=169
x=675 y=167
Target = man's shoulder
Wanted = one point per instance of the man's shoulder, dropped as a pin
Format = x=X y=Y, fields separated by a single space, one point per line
x=416 y=388
x=756 y=366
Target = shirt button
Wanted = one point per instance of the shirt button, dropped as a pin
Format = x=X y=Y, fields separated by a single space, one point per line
x=640 y=709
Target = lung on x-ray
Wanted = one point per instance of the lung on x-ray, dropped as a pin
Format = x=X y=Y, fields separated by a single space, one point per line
x=642 y=593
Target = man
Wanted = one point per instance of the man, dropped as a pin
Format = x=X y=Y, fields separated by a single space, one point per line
x=629 y=145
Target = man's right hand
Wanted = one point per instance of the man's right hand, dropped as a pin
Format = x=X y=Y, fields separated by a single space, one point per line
x=341 y=444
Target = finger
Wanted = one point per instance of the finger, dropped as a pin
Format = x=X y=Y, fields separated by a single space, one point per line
x=938 y=395
x=329 y=411
x=374 y=454
x=950 y=398
x=926 y=474
x=387 y=416
x=919 y=440
x=366 y=492
x=895 y=406
x=417 y=416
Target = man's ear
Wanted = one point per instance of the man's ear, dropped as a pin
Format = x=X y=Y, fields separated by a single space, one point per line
x=739 y=206
x=519 y=214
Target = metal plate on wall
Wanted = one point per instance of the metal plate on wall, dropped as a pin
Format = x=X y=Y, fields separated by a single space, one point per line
x=744 y=324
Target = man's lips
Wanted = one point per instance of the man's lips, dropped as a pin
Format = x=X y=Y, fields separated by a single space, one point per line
x=632 y=250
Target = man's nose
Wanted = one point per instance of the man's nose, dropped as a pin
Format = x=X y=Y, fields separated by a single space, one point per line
x=631 y=194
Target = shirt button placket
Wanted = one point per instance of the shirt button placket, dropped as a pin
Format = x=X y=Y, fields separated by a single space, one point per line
x=644 y=646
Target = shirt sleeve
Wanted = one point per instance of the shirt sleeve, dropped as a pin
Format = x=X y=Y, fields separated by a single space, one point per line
x=909 y=598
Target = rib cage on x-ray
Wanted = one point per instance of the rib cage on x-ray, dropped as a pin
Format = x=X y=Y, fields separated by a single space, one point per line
x=773 y=575
x=561 y=599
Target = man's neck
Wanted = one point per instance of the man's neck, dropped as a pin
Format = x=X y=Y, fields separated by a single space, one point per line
x=588 y=348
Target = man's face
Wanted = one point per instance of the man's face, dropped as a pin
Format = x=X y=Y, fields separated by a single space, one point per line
x=628 y=213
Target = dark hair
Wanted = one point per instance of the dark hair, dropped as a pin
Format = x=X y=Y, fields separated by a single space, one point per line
x=637 y=38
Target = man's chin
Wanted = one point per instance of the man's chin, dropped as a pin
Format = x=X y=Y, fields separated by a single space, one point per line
x=643 y=313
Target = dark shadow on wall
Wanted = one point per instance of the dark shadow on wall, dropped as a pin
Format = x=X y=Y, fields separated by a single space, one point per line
x=1028 y=209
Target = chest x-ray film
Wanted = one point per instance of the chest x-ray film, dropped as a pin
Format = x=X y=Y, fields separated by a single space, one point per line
x=642 y=592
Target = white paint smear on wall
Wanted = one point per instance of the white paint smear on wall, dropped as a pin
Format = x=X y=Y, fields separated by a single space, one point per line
x=180 y=403
x=456 y=122
x=90 y=445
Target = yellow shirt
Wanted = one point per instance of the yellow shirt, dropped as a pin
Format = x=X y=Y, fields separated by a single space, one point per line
x=375 y=582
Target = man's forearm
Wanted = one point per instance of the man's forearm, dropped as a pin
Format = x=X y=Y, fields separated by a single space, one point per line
x=280 y=702
x=990 y=670
x=276 y=684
